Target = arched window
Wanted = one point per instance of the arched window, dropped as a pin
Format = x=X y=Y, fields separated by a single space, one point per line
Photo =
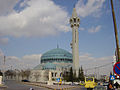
x=55 y=74
x=75 y=20
x=60 y=74
x=52 y=74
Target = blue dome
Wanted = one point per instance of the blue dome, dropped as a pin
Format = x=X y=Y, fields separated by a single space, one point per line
x=56 y=55
x=49 y=66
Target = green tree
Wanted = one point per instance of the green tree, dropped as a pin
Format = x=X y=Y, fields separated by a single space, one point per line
x=82 y=77
x=1 y=73
x=71 y=75
x=27 y=73
x=66 y=75
x=111 y=73
x=79 y=75
x=10 y=73
x=75 y=78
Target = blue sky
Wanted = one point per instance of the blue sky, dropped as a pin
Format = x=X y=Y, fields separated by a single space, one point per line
x=29 y=28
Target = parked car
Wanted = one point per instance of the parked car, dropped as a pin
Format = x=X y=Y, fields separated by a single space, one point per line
x=105 y=84
x=24 y=80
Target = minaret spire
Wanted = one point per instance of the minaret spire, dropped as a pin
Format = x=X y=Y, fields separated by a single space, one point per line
x=75 y=21
x=74 y=13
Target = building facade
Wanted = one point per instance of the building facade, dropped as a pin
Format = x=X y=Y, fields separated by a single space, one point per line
x=55 y=61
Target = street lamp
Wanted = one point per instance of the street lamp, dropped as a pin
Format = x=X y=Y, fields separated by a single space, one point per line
x=4 y=69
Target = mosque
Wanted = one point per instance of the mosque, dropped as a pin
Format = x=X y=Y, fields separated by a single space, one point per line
x=55 y=61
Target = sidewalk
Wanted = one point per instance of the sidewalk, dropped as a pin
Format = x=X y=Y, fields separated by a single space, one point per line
x=53 y=87
x=3 y=87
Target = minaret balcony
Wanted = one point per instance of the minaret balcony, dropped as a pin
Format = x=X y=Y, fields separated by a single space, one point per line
x=74 y=24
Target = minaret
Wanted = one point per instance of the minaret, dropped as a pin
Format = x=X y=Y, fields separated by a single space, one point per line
x=75 y=21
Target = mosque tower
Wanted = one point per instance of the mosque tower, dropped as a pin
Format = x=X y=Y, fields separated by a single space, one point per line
x=75 y=21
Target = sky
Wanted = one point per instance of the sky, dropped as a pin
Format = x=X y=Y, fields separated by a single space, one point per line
x=29 y=28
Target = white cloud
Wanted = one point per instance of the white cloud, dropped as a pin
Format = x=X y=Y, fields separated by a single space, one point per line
x=4 y=40
x=91 y=7
x=6 y=6
x=25 y=62
x=30 y=61
x=94 y=29
x=82 y=29
x=1 y=53
x=89 y=62
x=40 y=18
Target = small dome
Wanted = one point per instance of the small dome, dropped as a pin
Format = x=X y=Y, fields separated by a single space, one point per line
x=56 y=55
x=49 y=66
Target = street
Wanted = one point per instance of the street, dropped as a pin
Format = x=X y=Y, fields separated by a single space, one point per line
x=13 y=85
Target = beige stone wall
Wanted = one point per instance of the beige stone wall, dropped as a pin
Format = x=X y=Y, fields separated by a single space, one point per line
x=43 y=75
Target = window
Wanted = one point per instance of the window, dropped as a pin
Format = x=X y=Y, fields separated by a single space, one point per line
x=78 y=20
x=60 y=74
x=70 y=20
x=75 y=20
x=89 y=79
x=55 y=74
x=52 y=74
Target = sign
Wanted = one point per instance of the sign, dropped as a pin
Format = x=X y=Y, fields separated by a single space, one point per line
x=112 y=77
x=116 y=68
x=58 y=79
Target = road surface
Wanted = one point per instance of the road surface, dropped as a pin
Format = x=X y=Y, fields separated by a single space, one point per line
x=13 y=85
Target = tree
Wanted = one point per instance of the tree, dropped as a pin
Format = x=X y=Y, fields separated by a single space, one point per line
x=75 y=79
x=27 y=73
x=111 y=73
x=79 y=75
x=82 y=74
x=71 y=75
x=1 y=73
x=66 y=75
x=10 y=73
x=22 y=74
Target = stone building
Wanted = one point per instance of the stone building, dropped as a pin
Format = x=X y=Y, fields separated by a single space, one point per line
x=55 y=61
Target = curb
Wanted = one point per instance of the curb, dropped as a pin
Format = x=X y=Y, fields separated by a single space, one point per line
x=3 y=86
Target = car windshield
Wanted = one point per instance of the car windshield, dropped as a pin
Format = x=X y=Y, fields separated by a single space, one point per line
x=89 y=79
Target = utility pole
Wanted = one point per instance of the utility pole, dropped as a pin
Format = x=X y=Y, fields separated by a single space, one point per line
x=115 y=30
x=4 y=70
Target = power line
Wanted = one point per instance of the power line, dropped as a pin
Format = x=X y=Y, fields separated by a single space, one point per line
x=99 y=66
